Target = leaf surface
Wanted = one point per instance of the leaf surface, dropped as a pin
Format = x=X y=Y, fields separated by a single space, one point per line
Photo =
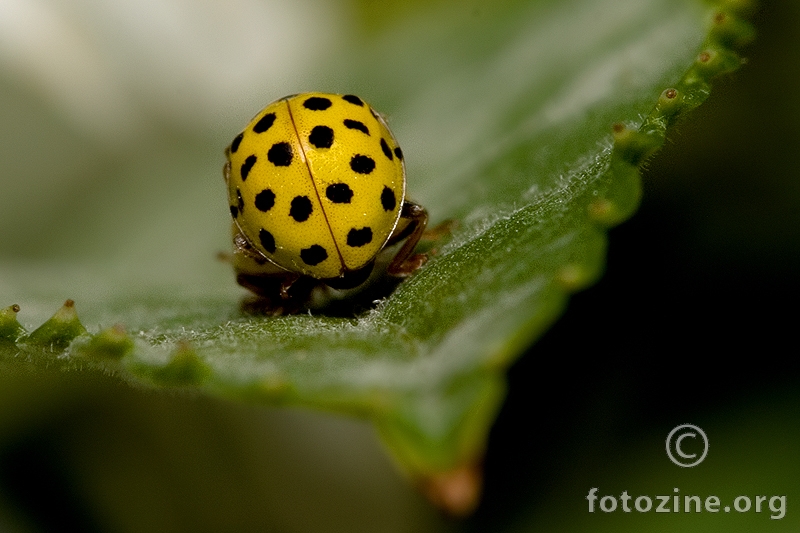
x=525 y=122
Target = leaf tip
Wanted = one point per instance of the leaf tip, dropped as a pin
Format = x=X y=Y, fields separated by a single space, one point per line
x=634 y=146
x=743 y=8
x=712 y=62
x=730 y=30
x=456 y=492
x=574 y=277
x=10 y=328
x=59 y=330
x=275 y=386
x=606 y=212
x=185 y=368
x=669 y=102
x=112 y=343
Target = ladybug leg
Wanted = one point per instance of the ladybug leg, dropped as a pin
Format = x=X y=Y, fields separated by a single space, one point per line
x=226 y=170
x=404 y=263
x=287 y=282
x=243 y=248
x=281 y=294
x=439 y=231
x=279 y=291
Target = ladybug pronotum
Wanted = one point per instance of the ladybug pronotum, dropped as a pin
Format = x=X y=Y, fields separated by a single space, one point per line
x=316 y=188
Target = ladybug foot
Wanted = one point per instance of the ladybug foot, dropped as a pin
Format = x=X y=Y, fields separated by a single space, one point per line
x=286 y=285
x=409 y=266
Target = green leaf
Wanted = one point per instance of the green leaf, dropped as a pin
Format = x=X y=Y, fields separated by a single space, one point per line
x=525 y=122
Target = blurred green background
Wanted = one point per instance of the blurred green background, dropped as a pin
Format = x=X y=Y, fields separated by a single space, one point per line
x=693 y=321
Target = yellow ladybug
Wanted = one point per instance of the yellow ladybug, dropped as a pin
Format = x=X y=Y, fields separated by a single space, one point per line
x=316 y=188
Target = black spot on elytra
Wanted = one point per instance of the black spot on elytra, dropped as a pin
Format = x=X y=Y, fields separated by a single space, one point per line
x=359 y=237
x=321 y=137
x=339 y=193
x=363 y=164
x=313 y=255
x=236 y=142
x=280 y=154
x=398 y=152
x=264 y=123
x=386 y=151
x=247 y=166
x=234 y=211
x=265 y=200
x=267 y=241
x=388 y=201
x=356 y=125
x=353 y=99
x=301 y=208
x=317 y=103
